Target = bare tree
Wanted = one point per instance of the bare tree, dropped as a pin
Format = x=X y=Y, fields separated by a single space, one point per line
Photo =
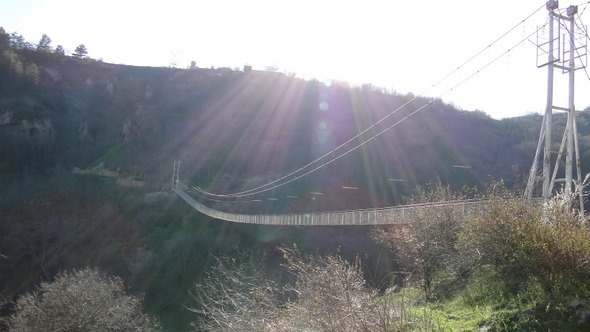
x=235 y=295
x=80 y=301
x=426 y=246
x=330 y=295
x=322 y=294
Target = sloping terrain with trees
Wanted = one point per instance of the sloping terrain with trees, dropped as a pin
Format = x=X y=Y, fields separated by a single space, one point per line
x=86 y=153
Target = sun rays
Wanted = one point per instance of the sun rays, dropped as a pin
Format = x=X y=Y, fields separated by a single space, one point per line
x=264 y=125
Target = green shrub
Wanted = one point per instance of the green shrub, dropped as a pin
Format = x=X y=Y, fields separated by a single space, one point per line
x=530 y=243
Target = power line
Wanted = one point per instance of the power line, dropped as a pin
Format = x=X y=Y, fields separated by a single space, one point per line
x=584 y=3
x=279 y=182
x=264 y=188
x=489 y=46
x=584 y=9
x=382 y=131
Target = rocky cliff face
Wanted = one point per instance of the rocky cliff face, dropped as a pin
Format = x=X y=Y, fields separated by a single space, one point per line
x=36 y=133
x=6 y=117
x=27 y=144
x=41 y=132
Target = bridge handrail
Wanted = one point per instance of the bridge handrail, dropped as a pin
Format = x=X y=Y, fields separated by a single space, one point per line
x=379 y=216
x=458 y=202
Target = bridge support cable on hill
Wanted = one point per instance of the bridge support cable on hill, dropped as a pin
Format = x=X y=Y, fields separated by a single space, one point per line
x=383 y=216
x=372 y=132
x=566 y=61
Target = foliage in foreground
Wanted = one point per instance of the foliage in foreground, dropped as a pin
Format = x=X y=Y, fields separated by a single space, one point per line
x=547 y=245
x=319 y=294
x=80 y=301
x=537 y=258
x=235 y=295
x=329 y=295
x=516 y=266
x=426 y=247
x=540 y=256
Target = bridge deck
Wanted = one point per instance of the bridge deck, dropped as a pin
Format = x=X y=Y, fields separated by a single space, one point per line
x=382 y=216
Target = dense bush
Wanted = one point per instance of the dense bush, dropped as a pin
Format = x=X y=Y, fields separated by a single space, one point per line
x=535 y=258
x=80 y=301
x=539 y=256
x=527 y=243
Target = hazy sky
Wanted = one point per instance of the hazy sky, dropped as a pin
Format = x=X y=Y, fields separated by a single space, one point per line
x=405 y=46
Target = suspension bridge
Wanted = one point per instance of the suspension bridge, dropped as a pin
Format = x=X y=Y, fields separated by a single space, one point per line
x=384 y=216
x=567 y=55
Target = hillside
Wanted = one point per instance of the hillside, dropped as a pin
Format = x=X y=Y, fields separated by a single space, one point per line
x=233 y=129
x=62 y=116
